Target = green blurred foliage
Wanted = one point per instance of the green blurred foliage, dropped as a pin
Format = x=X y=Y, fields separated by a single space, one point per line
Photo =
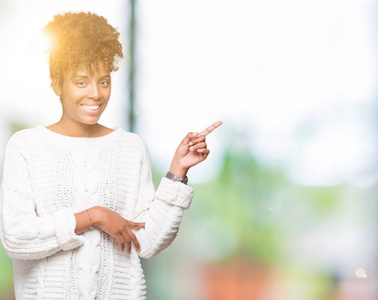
x=6 y=279
x=247 y=210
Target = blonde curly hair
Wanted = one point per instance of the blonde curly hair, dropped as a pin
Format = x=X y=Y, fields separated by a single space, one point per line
x=81 y=40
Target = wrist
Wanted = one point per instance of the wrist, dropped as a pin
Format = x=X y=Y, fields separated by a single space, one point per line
x=178 y=171
x=96 y=213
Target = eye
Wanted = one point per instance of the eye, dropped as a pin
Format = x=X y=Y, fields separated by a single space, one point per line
x=105 y=83
x=81 y=83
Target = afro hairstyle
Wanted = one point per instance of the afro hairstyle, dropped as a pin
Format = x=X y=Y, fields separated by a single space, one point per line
x=81 y=40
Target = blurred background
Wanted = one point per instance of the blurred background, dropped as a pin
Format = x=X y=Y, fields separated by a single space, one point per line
x=286 y=206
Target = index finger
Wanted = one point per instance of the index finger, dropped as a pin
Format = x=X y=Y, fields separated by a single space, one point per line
x=211 y=128
x=135 y=225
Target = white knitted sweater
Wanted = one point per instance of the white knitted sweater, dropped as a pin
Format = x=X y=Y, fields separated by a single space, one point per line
x=47 y=177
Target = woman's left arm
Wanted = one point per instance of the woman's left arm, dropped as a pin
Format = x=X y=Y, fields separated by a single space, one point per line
x=162 y=211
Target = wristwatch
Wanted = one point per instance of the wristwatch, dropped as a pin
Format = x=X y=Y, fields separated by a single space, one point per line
x=177 y=178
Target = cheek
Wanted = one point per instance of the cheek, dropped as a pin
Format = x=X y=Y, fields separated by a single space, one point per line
x=106 y=97
x=107 y=93
x=79 y=93
x=76 y=96
x=70 y=100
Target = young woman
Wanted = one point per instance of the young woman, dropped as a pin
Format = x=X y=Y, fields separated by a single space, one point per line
x=78 y=203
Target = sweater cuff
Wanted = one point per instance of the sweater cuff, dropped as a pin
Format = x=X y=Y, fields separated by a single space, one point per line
x=174 y=193
x=64 y=226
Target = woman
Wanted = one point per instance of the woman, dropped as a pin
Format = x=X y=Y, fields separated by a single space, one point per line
x=78 y=203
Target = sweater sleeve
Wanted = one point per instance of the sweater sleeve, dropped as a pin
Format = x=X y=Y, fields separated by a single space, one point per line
x=162 y=211
x=24 y=233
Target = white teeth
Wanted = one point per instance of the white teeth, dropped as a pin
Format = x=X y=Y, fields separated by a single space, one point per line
x=90 y=107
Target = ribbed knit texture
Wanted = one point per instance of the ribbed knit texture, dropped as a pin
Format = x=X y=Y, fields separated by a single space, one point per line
x=47 y=178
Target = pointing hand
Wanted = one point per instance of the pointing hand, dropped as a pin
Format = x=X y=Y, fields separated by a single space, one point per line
x=192 y=150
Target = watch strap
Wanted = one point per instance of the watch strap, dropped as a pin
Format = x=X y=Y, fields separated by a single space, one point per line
x=177 y=178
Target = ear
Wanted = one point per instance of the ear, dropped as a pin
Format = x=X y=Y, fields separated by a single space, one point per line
x=57 y=87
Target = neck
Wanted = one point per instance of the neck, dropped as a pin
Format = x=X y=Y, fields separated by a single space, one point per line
x=74 y=129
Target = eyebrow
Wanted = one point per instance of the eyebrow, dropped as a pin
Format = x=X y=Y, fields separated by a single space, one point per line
x=80 y=76
x=86 y=77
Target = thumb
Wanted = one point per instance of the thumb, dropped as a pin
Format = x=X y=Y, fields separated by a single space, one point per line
x=189 y=137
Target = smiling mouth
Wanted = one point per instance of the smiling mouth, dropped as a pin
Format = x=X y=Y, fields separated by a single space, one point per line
x=90 y=107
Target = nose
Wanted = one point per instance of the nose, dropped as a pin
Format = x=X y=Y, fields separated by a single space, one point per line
x=94 y=92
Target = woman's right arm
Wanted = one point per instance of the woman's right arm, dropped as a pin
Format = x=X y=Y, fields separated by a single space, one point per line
x=110 y=222
x=25 y=234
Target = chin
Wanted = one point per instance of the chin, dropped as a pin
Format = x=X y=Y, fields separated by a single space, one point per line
x=90 y=122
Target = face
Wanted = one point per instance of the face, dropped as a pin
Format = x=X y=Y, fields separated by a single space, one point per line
x=84 y=96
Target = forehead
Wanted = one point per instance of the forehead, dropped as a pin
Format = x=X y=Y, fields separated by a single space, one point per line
x=95 y=72
x=98 y=70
